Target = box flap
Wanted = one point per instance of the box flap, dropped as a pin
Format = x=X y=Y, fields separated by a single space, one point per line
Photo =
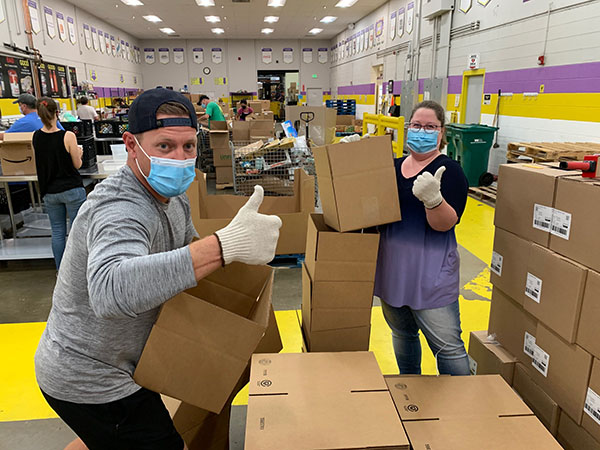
x=216 y=125
x=350 y=158
x=18 y=138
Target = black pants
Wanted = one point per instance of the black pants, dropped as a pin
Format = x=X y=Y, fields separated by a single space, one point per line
x=138 y=422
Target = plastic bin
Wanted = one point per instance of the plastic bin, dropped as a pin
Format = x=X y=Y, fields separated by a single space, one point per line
x=110 y=128
x=469 y=145
x=81 y=128
x=119 y=152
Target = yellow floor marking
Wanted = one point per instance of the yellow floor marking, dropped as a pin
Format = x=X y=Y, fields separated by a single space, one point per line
x=476 y=230
x=481 y=284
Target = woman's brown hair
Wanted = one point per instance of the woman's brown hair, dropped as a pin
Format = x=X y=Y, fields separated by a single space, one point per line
x=47 y=110
x=439 y=113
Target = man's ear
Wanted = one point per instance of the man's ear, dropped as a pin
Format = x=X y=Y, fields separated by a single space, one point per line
x=130 y=144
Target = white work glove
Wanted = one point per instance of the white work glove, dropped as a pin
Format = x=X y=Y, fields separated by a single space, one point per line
x=351 y=138
x=250 y=237
x=427 y=188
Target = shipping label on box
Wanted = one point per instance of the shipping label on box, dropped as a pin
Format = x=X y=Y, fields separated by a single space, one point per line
x=529 y=345
x=496 y=265
x=592 y=405
x=472 y=366
x=533 y=288
x=561 y=224
x=541 y=360
x=542 y=217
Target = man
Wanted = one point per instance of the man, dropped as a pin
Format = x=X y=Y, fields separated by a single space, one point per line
x=129 y=251
x=244 y=110
x=31 y=121
x=85 y=111
x=213 y=110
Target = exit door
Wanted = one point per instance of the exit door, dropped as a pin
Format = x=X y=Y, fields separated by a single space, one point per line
x=474 y=95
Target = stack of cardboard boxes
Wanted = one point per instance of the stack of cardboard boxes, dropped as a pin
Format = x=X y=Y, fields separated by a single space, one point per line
x=219 y=143
x=357 y=183
x=545 y=306
x=292 y=92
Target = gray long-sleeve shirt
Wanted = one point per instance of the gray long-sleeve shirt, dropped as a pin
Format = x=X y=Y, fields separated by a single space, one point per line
x=126 y=255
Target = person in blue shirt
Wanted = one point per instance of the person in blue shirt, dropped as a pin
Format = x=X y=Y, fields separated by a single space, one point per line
x=31 y=121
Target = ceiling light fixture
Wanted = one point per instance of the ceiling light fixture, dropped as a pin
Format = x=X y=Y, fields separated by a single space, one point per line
x=212 y=19
x=217 y=30
x=276 y=3
x=132 y=2
x=267 y=30
x=271 y=19
x=316 y=30
x=345 y=3
x=153 y=19
x=205 y=2
x=328 y=19
x=167 y=30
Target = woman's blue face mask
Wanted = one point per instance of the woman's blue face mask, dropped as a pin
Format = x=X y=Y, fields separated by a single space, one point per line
x=422 y=141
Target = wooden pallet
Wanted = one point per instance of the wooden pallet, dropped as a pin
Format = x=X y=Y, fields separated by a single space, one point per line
x=222 y=186
x=484 y=193
x=553 y=151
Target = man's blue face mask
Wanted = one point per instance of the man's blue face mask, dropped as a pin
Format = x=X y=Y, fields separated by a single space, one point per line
x=421 y=141
x=169 y=177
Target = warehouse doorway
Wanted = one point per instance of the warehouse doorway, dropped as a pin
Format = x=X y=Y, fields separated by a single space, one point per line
x=472 y=95
x=377 y=77
x=281 y=87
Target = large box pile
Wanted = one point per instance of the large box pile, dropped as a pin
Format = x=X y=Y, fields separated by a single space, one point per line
x=545 y=302
x=219 y=143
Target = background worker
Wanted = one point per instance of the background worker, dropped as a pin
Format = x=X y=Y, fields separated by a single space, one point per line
x=129 y=251
x=243 y=111
x=30 y=121
x=418 y=264
x=85 y=111
x=213 y=110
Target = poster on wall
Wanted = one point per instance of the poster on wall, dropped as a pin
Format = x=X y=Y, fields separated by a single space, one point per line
x=288 y=55
x=221 y=81
x=73 y=77
x=307 y=55
x=163 y=55
x=465 y=5
x=393 y=25
x=63 y=85
x=71 y=29
x=35 y=16
x=178 y=55
x=26 y=76
x=267 y=55
x=483 y=2
x=50 y=26
x=101 y=43
x=60 y=24
x=87 y=35
x=322 y=55
x=198 y=54
x=53 y=80
x=149 y=55
x=113 y=45
x=217 y=55
x=95 y=42
x=379 y=31
x=400 y=22
x=410 y=17
x=16 y=77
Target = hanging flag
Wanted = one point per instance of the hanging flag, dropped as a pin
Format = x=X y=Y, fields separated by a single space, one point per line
x=410 y=17
x=400 y=22
x=178 y=55
x=122 y=52
x=307 y=55
x=465 y=5
x=372 y=36
x=71 y=28
x=288 y=55
x=101 y=43
x=107 y=42
x=163 y=55
x=149 y=55
x=217 y=55
x=128 y=51
x=62 y=30
x=87 y=35
x=50 y=27
x=267 y=55
x=95 y=39
x=35 y=16
x=393 y=25
x=113 y=45
x=379 y=31
x=198 y=54
x=322 y=55
x=2 y=15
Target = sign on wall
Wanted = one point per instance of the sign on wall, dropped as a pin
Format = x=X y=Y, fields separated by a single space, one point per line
x=410 y=17
x=288 y=55
x=113 y=45
x=50 y=26
x=71 y=29
x=197 y=81
x=122 y=52
x=198 y=54
x=87 y=35
x=149 y=55
x=2 y=15
x=474 y=61
x=35 y=16
x=53 y=80
x=371 y=36
x=163 y=55
x=107 y=41
x=16 y=77
x=101 y=43
x=221 y=81
x=217 y=55
x=401 y=13
x=379 y=31
x=94 y=38
x=267 y=55
x=178 y=55
x=73 y=77
x=393 y=25
x=465 y=5
x=322 y=55
x=60 y=23
x=307 y=55
x=128 y=51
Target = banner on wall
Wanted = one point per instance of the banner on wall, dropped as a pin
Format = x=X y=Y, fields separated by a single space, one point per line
x=101 y=43
x=465 y=5
x=94 y=38
x=379 y=31
x=107 y=42
x=2 y=15
x=60 y=24
x=122 y=52
x=198 y=54
x=400 y=22
x=71 y=29
x=87 y=35
x=135 y=54
x=393 y=25
x=149 y=55
x=361 y=42
x=178 y=55
x=372 y=36
x=307 y=55
x=128 y=51
x=322 y=55
x=35 y=16
x=221 y=81
x=217 y=55
x=113 y=45
x=163 y=55
x=288 y=55
x=410 y=17
x=50 y=26
x=267 y=55
x=484 y=2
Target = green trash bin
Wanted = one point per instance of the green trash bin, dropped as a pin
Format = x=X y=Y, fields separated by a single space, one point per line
x=469 y=145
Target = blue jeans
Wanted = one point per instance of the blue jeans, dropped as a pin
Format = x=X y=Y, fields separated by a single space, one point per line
x=58 y=206
x=441 y=328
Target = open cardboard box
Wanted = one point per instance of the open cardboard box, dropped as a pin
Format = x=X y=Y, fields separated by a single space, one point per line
x=203 y=338
x=488 y=357
x=213 y=212
x=16 y=154
x=320 y=401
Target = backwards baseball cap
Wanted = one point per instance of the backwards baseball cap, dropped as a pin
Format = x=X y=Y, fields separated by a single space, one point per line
x=142 y=112
x=26 y=99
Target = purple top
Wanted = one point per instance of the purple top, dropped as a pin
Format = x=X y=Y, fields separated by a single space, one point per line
x=418 y=266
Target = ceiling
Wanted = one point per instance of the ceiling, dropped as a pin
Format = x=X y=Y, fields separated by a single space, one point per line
x=243 y=20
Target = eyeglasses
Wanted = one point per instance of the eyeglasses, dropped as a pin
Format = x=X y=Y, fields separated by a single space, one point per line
x=428 y=128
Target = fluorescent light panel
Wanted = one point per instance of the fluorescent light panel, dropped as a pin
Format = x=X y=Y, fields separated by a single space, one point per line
x=276 y=3
x=132 y=2
x=217 y=30
x=212 y=19
x=345 y=3
x=153 y=19
x=271 y=19
x=316 y=30
x=267 y=30
x=167 y=30
x=328 y=19
x=205 y=2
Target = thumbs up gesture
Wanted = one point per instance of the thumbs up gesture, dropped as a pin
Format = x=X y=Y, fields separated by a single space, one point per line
x=427 y=188
x=250 y=237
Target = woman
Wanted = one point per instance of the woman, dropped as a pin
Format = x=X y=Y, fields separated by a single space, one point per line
x=57 y=158
x=418 y=265
x=243 y=111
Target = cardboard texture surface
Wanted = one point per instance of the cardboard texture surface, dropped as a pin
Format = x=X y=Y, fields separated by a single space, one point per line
x=219 y=125
x=222 y=158
x=241 y=130
x=514 y=254
x=320 y=401
x=587 y=335
x=509 y=323
x=213 y=212
x=321 y=129
x=591 y=416
x=262 y=128
x=490 y=358
x=224 y=175
x=357 y=183
x=203 y=338
x=219 y=138
x=561 y=293
x=16 y=154
x=573 y=437
x=575 y=196
x=339 y=340
x=344 y=120
x=546 y=409
x=569 y=368
x=520 y=188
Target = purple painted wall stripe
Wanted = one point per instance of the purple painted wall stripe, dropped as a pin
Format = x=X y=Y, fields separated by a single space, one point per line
x=359 y=89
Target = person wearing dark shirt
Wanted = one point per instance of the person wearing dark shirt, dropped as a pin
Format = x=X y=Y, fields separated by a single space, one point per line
x=418 y=264
x=244 y=110
x=57 y=158
x=30 y=121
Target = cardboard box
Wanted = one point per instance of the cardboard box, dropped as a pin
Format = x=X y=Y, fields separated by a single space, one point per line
x=17 y=156
x=591 y=418
x=344 y=120
x=512 y=326
x=508 y=270
x=546 y=409
x=224 y=175
x=466 y=413
x=203 y=338
x=213 y=212
x=222 y=158
x=256 y=105
x=266 y=105
x=487 y=357
x=241 y=130
x=219 y=125
x=578 y=220
x=525 y=199
x=321 y=128
x=320 y=401
x=562 y=370
x=262 y=128
x=357 y=183
x=340 y=340
x=195 y=98
x=554 y=291
x=219 y=139
x=587 y=334
x=573 y=437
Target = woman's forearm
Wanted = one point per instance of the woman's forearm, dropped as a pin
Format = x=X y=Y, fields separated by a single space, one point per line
x=442 y=217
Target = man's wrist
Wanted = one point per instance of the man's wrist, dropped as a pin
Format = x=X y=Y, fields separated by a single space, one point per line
x=220 y=249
